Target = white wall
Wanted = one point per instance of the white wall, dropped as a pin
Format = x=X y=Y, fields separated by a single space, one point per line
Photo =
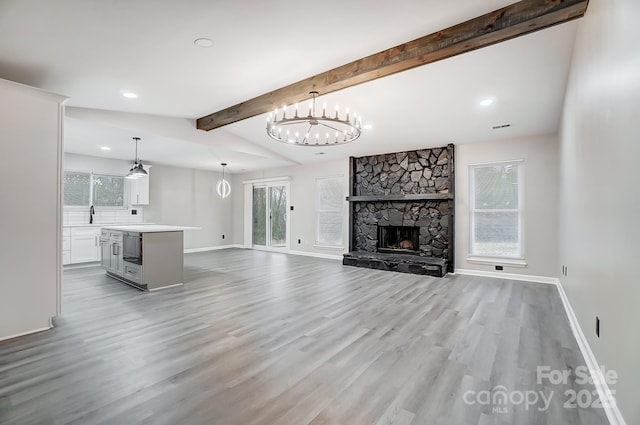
x=30 y=251
x=303 y=199
x=600 y=190
x=94 y=164
x=540 y=155
x=187 y=197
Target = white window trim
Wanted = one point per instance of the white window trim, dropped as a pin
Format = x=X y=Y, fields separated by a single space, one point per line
x=516 y=261
x=506 y=261
x=333 y=247
x=317 y=244
x=258 y=182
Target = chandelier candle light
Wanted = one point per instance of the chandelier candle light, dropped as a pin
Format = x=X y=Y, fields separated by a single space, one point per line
x=223 y=188
x=313 y=130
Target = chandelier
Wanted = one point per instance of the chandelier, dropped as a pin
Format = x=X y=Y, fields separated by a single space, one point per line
x=313 y=130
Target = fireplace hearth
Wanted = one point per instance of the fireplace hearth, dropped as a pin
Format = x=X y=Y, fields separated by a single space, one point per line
x=399 y=239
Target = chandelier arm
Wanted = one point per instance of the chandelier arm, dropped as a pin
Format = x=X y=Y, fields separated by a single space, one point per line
x=333 y=128
x=306 y=135
x=283 y=124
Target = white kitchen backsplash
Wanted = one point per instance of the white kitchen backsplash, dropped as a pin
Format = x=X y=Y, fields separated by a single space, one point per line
x=73 y=216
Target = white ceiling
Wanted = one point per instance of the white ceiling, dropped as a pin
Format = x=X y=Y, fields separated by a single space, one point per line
x=95 y=51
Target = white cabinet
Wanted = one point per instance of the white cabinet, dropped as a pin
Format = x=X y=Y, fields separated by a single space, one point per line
x=84 y=245
x=139 y=189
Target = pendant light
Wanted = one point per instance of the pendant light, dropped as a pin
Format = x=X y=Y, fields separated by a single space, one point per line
x=223 y=188
x=137 y=170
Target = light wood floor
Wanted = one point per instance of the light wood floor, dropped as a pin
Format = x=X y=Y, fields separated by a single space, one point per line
x=266 y=338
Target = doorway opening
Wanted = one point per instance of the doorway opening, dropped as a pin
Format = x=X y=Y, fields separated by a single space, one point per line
x=270 y=221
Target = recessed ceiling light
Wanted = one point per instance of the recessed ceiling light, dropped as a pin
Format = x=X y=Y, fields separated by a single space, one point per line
x=367 y=126
x=129 y=95
x=105 y=148
x=486 y=102
x=203 y=42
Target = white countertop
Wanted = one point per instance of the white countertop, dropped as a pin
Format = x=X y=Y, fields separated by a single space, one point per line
x=148 y=228
x=106 y=224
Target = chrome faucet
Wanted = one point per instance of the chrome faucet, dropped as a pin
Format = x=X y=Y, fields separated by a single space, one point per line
x=92 y=211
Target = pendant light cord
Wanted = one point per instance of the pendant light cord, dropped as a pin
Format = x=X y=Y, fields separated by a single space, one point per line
x=136 y=139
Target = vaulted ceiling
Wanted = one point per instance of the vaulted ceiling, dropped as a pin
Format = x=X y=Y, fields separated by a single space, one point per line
x=94 y=52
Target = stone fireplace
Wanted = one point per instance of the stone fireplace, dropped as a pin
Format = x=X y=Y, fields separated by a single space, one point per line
x=401 y=211
x=398 y=239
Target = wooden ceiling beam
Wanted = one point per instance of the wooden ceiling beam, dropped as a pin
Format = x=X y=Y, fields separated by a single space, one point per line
x=503 y=24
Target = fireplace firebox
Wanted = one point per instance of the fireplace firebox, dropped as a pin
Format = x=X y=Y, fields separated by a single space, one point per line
x=401 y=239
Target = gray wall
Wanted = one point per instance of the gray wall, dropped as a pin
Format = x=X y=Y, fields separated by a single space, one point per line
x=303 y=199
x=600 y=190
x=540 y=155
x=30 y=251
x=187 y=197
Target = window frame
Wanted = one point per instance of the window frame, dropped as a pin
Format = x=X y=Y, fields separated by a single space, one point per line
x=340 y=210
x=92 y=175
x=515 y=260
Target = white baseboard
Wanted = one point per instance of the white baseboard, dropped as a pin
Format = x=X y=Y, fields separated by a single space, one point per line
x=510 y=276
x=80 y=265
x=26 y=333
x=608 y=401
x=317 y=255
x=212 y=248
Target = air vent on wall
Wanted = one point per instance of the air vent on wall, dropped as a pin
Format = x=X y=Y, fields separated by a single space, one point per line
x=496 y=127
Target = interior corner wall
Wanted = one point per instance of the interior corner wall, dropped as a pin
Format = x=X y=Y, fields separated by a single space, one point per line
x=600 y=191
x=303 y=199
x=188 y=197
x=31 y=245
x=540 y=155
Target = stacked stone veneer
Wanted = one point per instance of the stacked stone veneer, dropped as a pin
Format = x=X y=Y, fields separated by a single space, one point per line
x=415 y=172
x=404 y=173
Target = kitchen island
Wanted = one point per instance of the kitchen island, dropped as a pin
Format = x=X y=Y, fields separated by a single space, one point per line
x=147 y=257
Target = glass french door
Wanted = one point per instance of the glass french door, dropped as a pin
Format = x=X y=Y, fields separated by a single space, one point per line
x=270 y=216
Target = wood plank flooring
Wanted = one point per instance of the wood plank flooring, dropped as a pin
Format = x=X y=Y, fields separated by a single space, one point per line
x=266 y=338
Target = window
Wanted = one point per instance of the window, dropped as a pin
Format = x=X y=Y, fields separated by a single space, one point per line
x=85 y=189
x=108 y=191
x=77 y=189
x=329 y=211
x=496 y=195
